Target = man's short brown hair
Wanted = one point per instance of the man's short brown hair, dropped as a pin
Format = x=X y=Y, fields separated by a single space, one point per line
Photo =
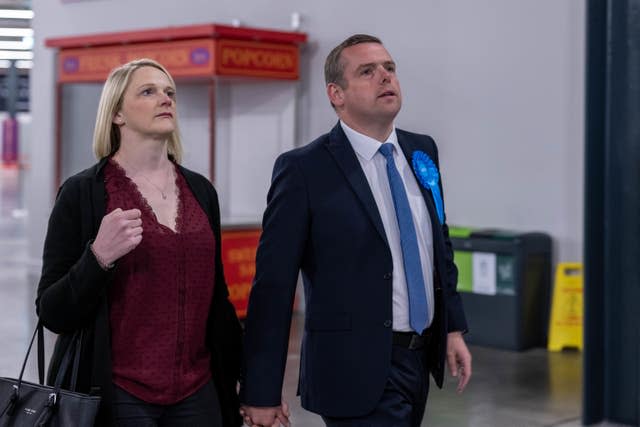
x=334 y=67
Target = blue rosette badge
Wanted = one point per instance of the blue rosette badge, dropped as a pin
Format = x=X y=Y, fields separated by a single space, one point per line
x=427 y=173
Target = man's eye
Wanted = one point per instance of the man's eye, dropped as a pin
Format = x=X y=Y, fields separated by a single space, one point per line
x=367 y=71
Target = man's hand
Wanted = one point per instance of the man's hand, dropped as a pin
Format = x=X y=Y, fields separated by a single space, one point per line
x=266 y=416
x=458 y=359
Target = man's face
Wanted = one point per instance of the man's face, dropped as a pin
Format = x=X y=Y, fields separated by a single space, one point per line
x=370 y=91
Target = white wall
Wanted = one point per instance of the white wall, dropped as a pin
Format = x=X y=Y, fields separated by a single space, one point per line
x=79 y=107
x=255 y=122
x=498 y=83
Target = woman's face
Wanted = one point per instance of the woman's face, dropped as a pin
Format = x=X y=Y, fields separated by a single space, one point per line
x=148 y=105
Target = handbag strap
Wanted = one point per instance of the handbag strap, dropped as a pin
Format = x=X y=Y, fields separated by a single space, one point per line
x=73 y=351
x=40 y=330
x=26 y=357
x=76 y=362
x=13 y=399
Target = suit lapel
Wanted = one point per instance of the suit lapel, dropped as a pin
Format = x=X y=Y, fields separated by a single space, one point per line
x=408 y=147
x=345 y=157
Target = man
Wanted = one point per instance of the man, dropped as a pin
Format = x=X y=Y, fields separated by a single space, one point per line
x=367 y=231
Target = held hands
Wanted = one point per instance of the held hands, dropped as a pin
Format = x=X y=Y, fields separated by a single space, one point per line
x=458 y=359
x=266 y=416
x=120 y=232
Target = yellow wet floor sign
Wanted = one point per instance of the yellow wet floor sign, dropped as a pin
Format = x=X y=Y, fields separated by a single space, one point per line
x=565 y=329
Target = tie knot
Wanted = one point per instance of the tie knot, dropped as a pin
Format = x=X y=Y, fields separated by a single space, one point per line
x=387 y=150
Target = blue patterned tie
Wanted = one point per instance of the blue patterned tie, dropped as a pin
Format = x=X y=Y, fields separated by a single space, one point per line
x=418 y=309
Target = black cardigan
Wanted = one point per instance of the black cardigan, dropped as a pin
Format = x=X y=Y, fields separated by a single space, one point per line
x=72 y=293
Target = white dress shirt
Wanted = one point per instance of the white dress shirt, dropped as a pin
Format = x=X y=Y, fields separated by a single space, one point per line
x=374 y=166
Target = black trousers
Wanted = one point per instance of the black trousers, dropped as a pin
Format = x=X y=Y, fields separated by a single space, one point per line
x=201 y=409
x=404 y=398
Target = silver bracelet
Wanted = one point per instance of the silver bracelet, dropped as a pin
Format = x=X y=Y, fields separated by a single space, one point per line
x=103 y=265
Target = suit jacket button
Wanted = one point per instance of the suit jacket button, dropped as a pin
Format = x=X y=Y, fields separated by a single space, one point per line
x=387 y=276
x=387 y=323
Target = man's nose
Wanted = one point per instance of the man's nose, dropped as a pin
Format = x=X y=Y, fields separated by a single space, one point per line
x=385 y=75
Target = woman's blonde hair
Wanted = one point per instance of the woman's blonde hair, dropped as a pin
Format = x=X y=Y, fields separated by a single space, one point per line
x=106 y=135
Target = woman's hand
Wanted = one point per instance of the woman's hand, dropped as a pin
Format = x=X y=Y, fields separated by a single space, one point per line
x=120 y=232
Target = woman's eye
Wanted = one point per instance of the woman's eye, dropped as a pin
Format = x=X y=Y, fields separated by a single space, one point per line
x=147 y=92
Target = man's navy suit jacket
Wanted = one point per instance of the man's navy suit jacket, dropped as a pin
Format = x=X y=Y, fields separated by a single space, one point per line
x=322 y=220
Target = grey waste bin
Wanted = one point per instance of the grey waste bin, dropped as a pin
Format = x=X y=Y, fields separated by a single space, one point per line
x=512 y=312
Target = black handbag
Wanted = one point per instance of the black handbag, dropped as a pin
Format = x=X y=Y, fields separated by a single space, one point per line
x=25 y=404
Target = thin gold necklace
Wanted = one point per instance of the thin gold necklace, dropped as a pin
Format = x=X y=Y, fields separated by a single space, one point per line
x=137 y=172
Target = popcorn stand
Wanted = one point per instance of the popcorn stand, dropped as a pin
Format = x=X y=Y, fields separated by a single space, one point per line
x=237 y=95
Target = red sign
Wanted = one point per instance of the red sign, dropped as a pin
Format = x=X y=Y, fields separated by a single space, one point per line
x=204 y=50
x=257 y=59
x=187 y=58
x=239 y=259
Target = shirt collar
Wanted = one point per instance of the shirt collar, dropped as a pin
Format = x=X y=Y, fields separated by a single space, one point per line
x=365 y=146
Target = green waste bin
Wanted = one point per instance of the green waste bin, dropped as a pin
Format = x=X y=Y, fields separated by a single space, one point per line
x=504 y=279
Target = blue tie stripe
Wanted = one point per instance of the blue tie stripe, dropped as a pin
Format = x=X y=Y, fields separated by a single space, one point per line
x=418 y=309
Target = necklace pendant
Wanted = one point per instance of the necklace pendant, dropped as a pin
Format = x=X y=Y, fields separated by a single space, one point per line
x=164 y=196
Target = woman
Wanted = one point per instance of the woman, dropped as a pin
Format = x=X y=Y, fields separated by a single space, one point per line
x=132 y=258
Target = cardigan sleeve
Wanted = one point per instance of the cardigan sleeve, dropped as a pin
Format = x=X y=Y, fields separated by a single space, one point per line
x=72 y=282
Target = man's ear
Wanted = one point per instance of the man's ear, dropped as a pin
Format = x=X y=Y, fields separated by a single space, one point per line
x=335 y=94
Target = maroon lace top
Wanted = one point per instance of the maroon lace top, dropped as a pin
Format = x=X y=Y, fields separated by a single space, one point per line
x=160 y=297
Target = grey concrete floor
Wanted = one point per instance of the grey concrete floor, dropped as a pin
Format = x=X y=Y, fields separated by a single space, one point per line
x=516 y=389
x=532 y=388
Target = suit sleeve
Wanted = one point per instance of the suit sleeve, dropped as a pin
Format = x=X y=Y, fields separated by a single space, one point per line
x=72 y=282
x=456 y=320
x=282 y=244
